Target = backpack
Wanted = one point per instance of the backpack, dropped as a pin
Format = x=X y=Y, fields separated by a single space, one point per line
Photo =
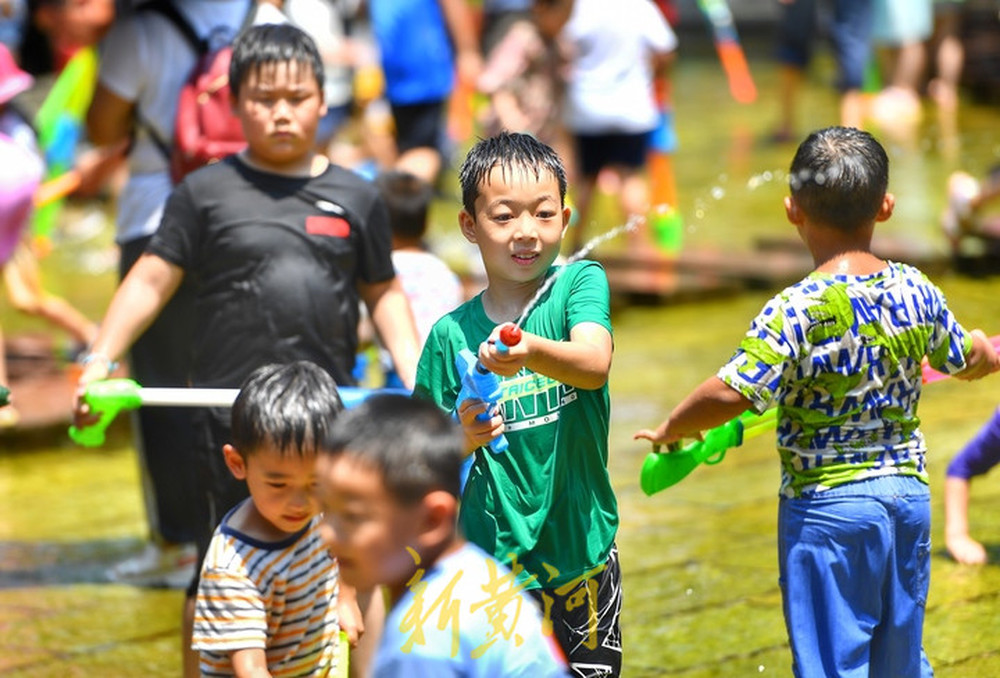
x=205 y=128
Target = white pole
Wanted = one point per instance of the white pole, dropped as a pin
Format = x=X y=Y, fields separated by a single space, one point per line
x=195 y=397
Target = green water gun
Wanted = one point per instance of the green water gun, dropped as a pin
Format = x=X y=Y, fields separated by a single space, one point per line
x=109 y=397
x=660 y=471
x=4 y=396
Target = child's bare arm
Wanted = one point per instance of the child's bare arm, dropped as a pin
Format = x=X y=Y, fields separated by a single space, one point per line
x=250 y=663
x=981 y=360
x=962 y=547
x=141 y=296
x=583 y=362
x=712 y=403
x=143 y=293
x=390 y=313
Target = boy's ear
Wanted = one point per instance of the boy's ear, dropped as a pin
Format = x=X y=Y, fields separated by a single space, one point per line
x=467 y=223
x=567 y=213
x=885 y=210
x=438 y=519
x=235 y=462
x=793 y=211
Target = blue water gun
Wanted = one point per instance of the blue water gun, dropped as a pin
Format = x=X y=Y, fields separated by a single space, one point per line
x=478 y=383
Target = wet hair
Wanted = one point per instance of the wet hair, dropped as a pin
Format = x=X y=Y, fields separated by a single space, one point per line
x=272 y=44
x=510 y=151
x=839 y=177
x=290 y=406
x=415 y=447
x=408 y=198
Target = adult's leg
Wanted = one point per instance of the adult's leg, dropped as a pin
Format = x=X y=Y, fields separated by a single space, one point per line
x=796 y=31
x=851 y=32
x=164 y=436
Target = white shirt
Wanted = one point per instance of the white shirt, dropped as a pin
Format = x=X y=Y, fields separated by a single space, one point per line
x=610 y=87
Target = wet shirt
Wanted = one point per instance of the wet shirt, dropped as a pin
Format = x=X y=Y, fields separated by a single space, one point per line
x=840 y=357
x=548 y=499
x=277 y=261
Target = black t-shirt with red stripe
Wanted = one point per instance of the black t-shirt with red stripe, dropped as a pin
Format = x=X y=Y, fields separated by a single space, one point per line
x=277 y=260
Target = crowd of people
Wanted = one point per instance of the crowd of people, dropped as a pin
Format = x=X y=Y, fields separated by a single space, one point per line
x=266 y=270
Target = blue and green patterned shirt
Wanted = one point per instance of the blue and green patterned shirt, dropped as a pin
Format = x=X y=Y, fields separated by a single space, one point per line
x=840 y=357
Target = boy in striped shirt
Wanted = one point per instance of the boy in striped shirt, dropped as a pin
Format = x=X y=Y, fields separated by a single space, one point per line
x=269 y=598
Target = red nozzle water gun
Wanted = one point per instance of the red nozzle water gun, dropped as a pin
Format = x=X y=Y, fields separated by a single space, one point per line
x=478 y=383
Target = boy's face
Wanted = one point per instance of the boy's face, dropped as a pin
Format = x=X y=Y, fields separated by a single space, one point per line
x=280 y=105
x=365 y=528
x=75 y=23
x=283 y=486
x=518 y=225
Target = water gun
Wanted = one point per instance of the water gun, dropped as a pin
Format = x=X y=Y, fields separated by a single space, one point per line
x=59 y=122
x=727 y=44
x=4 y=396
x=666 y=222
x=109 y=397
x=660 y=471
x=478 y=383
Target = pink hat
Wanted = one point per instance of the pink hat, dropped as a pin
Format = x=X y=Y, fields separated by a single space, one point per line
x=13 y=80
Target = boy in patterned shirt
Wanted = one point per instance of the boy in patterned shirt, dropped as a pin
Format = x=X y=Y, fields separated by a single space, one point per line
x=268 y=595
x=839 y=354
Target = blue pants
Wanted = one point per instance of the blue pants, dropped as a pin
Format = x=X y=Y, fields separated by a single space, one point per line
x=850 y=32
x=854 y=567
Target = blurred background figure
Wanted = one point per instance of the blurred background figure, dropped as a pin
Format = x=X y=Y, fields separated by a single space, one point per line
x=947 y=54
x=849 y=31
x=966 y=215
x=523 y=77
x=432 y=288
x=424 y=46
x=21 y=170
x=616 y=51
x=901 y=29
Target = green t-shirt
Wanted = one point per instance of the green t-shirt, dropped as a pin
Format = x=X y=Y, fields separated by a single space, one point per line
x=547 y=500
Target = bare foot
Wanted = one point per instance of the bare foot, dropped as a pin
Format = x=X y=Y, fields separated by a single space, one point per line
x=965 y=550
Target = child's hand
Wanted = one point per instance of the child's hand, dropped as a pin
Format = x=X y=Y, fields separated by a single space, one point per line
x=505 y=362
x=662 y=435
x=351 y=619
x=965 y=550
x=478 y=433
x=97 y=367
x=982 y=358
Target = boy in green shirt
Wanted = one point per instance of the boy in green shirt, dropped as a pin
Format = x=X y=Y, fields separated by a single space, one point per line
x=545 y=506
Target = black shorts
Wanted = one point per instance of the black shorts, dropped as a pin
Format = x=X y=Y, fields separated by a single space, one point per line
x=586 y=620
x=419 y=125
x=597 y=151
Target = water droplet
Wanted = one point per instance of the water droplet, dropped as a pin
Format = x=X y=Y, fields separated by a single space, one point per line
x=760 y=669
x=689 y=592
x=718 y=192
